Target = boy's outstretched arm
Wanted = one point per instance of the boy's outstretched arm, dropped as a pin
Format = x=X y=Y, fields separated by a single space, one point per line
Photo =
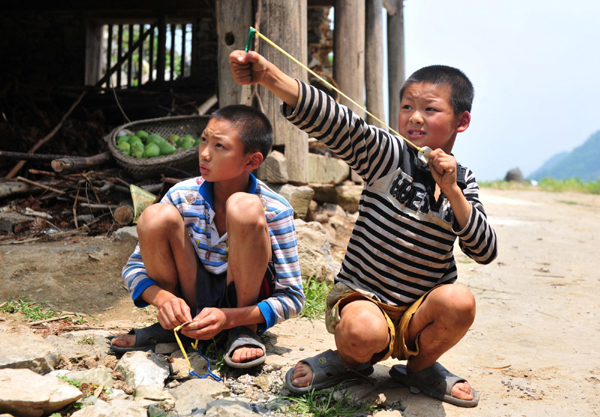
x=252 y=68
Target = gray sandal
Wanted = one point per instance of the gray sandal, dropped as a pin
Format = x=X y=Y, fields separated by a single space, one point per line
x=243 y=336
x=436 y=381
x=328 y=371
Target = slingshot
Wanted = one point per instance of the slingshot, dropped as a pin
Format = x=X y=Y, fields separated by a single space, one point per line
x=195 y=346
x=423 y=152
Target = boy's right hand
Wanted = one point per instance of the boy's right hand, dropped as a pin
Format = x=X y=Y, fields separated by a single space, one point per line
x=173 y=312
x=247 y=67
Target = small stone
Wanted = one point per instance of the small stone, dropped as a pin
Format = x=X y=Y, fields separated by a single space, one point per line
x=470 y=369
x=301 y=348
x=510 y=368
x=490 y=372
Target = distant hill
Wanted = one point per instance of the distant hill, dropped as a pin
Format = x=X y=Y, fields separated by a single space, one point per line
x=582 y=162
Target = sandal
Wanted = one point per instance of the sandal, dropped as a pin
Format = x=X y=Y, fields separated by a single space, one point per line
x=145 y=339
x=328 y=370
x=436 y=381
x=243 y=336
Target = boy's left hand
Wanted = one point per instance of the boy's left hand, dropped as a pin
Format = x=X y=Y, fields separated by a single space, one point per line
x=443 y=168
x=209 y=323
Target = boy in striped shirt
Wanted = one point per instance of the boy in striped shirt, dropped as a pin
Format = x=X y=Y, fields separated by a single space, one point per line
x=395 y=295
x=219 y=250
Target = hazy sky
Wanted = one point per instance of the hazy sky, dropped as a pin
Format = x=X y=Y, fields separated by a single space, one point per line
x=535 y=65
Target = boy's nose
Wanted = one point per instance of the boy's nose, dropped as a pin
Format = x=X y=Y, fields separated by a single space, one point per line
x=204 y=154
x=416 y=118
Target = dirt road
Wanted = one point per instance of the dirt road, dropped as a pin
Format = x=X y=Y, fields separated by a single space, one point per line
x=532 y=351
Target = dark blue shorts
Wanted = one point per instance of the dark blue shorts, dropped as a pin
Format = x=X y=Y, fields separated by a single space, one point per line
x=212 y=289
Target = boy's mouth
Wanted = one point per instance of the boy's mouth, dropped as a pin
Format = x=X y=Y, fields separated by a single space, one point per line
x=415 y=134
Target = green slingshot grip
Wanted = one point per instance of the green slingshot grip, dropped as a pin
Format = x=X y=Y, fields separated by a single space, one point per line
x=251 y=33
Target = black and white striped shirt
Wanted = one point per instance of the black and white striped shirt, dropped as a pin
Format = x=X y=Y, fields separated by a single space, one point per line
x=402 y=243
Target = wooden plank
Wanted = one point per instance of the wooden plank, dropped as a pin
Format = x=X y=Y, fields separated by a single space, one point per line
x=161 y=55
x=109 y=53
x=173 y=30
x=285 y=23
x=93 y=52
x=183 y=36
x=140 y=56
x=234 y=17
x=391 y=6
x=130 y=60
x=119 y=53
x=395 y=36
x=151 y=56
x=349 y=50
x=374 y=60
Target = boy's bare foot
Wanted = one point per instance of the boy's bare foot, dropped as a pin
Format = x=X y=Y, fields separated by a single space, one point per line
x=241 y=354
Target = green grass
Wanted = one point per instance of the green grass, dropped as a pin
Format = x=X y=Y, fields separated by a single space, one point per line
x=323 y=404
x=32 y=310
x=548 y=184
x=315 y=294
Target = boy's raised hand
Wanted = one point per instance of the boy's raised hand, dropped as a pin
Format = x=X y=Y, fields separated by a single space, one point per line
x=443 y=168
x=247 y=67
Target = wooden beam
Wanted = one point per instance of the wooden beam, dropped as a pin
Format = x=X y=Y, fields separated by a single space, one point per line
x=374 y=60
x=285 y=23
x=234 y=17
x=349 y=50
x=161 y=57
x=395 y=35
x=391 y=6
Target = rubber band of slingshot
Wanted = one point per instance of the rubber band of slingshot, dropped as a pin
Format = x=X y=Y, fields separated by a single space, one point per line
x=273 y=44
x=195 y=346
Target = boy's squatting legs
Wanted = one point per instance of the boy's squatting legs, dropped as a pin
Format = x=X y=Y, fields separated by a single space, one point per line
x=169 y=257
x=441 y=321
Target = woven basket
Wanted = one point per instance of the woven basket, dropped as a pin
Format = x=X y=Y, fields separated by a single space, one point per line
x=183 y=160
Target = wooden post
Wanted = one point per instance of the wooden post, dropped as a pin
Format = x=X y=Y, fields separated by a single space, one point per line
x=161 y=50
x=349 y=50
x=374 y=60
x=234 y=18
x=285 y=23
x=395 y=34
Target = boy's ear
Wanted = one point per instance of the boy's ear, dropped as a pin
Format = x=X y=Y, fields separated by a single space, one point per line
x=464 y=121
x=253 y=160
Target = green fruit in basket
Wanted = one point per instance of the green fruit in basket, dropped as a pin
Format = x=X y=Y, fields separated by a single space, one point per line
x=124 y=138
x=197 y=141
x=173 y=139
x=134 y=140
x=187 y=143
x=124 y=147
x=152 y=150
x=142 y=134
x=166 y=148
x=155 y=139
x=137 y=153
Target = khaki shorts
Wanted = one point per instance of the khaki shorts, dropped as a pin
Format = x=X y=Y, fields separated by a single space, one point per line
x=397 y=319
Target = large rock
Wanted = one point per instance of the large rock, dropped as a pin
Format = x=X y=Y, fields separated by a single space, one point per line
x=27 y=350
x=76 y=345
x=314 y=252
x=326 y=170
x=116 y=408
x=298 y=197
x=276 y=168
x=514 y=175
x=346 y=195
x=27 y=394
x=143 y=368
x=229 y=408
x=99 y=376
x=193 y=396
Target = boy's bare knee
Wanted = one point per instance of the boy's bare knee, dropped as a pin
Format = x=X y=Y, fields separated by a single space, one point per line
x=159 y=217
x=456 y=302
x=362 y=331
x=245 y=210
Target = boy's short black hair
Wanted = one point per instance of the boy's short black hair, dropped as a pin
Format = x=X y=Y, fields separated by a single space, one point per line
x=462 y=94
x=253 y=127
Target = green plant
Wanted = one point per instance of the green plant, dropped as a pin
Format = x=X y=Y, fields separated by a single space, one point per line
x=548 y=184
x=73 y=382
x=322 y=404
x=315 y=294
x=33 y=311
x=88 y=340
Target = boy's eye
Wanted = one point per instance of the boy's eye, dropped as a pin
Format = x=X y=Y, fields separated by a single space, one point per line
x=406 y=107
x=430 y=109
